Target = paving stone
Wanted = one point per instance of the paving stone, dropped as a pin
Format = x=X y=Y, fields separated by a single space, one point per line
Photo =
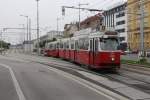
x=102 y=80
x=133 y=93
x=124 y=89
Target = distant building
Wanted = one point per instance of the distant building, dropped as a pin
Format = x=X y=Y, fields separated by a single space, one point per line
x=49 y=36
x=27 y=46
x=70 y=29
x=116 y=17
x=133 y=7
x=54 y=34
x=93 y=22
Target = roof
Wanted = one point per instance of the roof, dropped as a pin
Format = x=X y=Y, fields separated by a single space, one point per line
x=92 y=18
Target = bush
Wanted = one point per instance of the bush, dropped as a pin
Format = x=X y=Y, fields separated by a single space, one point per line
x=143 y=60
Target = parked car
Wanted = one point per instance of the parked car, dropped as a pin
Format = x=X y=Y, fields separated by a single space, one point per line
x=122 y=52
x=135 y=52
x=128 y=52
x=147 y=53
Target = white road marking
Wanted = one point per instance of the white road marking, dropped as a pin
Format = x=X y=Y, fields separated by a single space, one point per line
x=100 y=90
x=16 y=84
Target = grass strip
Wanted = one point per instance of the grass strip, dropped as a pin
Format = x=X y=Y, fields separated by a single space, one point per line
x=140 y=63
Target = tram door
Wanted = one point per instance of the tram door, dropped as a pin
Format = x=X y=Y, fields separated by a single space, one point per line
x=75 y=52
x=93 y=50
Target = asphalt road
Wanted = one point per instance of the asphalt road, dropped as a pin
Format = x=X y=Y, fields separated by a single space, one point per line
x=22 y=79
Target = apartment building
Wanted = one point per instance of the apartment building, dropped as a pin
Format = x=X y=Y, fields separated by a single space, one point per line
x=115 y=17
x=133 y=9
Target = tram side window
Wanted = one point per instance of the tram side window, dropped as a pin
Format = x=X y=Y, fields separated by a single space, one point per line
x=53 y=46
x=80 y=44
x=61 y=45
x=72 y=45
x=57 y=45
x=86 y=44
x=46 y=46
x=91 y=49
x=76 y=45
x=83 y=44
x=96 y=45
x=64 y=45
x=50 y=46
x=67 y=45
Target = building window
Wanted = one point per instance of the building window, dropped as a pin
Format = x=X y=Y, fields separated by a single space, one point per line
x=120 y=22
x=122 y=38
x=120 y=30
x=120 y=15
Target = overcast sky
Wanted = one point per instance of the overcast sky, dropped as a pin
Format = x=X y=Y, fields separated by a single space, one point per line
x=49 y=11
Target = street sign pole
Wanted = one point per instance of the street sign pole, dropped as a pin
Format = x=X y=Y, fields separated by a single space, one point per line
x=142 y=50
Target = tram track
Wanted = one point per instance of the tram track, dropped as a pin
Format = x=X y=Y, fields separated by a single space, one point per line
x=136 y=68
x=134 y=83
x=131 y=81
x=121 y=77
x=74 y=71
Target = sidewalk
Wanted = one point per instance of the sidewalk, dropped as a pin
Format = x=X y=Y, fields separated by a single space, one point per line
x=133 y=57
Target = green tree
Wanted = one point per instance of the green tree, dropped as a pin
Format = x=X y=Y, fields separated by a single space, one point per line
x=5 y=45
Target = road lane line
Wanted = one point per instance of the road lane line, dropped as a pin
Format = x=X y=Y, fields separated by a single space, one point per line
x=16 y=84
x=100 y=90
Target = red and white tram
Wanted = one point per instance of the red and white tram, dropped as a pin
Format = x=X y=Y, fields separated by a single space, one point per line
x=52 y=49
x=103 y=50
x=64 y=48
x=97 y=50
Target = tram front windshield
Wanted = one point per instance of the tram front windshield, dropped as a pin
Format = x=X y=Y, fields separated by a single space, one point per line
x=109 y=44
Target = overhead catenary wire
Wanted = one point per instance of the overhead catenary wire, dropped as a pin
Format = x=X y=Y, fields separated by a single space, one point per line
x=96 y=3
x=102 y=4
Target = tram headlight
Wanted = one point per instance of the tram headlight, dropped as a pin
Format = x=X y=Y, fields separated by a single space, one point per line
x=113 y=59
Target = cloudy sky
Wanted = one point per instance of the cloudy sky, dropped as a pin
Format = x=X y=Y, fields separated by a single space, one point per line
x=10 y=11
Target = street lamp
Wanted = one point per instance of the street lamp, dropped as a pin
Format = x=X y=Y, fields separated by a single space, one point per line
x=27 y=23
x=142 y=28
x=38 y=40
x=23 y=39
x=46 y=29
x=1 y=44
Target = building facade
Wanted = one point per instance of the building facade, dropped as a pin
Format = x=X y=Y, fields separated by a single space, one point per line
x=93 y=22
x=53 y=34
x=70 y=29
x=133 y=8
x=45 y=38
x=116 y=18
